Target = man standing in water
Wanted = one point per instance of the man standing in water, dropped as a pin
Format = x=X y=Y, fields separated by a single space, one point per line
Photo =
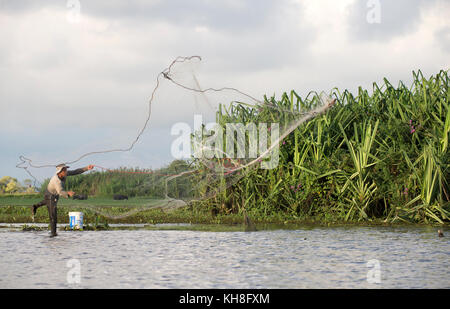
x=55 y=189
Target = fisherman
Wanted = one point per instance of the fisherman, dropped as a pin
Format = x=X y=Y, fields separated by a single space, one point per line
x=55 y=189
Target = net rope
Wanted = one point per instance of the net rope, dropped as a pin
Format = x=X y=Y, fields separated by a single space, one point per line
x=203 y=173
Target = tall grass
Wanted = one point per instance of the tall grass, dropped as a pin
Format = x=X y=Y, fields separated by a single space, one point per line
x=379 y=155
x=382 y=154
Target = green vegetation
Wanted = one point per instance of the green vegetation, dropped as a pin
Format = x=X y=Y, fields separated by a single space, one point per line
x=10 y=185
x=373 y=157
x=129 y=181
x=201 y=218
x=98 y=211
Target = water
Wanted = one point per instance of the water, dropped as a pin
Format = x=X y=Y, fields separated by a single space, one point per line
x=408 y=257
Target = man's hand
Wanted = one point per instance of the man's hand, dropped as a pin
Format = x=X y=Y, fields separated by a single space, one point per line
x=89 y=167
x=70 y=193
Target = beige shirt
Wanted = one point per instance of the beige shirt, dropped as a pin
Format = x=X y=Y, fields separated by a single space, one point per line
x=56 y=185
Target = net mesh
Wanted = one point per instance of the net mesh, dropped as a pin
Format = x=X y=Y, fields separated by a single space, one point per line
x=236 y=134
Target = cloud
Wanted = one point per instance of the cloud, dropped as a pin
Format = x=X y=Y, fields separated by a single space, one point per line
x=90 y=81
x=20 y=6
x=71 y=73
x=228 y=15
x=443 y=37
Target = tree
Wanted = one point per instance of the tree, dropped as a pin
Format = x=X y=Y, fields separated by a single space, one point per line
x=9 y=185
x=28 y=186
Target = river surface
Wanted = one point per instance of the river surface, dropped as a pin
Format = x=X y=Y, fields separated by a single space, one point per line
x=337 y=257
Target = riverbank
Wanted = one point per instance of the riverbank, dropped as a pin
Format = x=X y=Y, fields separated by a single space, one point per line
x=101 y=213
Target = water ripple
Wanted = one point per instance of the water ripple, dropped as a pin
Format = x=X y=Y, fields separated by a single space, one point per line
x=307 y=258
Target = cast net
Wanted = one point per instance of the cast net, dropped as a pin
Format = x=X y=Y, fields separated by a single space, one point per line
x=212 y=138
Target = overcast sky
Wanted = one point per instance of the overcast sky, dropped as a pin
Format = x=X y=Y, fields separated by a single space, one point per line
x=76 y=76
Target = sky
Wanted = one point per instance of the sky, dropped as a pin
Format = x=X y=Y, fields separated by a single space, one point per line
x=76 y=76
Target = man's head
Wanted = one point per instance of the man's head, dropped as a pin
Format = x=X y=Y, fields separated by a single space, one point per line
x=61 y=170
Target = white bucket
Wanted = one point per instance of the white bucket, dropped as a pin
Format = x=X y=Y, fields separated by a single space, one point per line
x=76 y=220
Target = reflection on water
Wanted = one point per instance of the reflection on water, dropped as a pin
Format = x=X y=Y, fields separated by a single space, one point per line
x=409 y=257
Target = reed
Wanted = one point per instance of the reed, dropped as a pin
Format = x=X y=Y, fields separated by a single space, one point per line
x=382 y=154
x=379 y=154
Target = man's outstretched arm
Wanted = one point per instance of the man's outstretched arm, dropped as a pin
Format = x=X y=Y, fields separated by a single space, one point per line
x=80 y=170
